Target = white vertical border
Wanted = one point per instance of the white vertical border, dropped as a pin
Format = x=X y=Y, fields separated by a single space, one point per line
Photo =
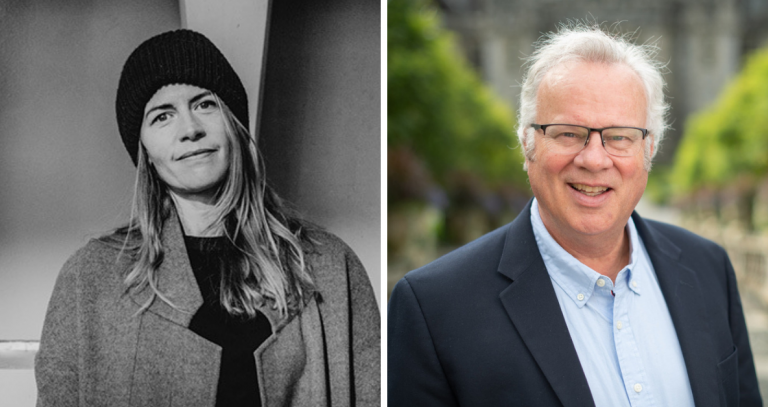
x=384 y=209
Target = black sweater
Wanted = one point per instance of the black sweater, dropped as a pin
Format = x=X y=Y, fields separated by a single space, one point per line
x=238 y=336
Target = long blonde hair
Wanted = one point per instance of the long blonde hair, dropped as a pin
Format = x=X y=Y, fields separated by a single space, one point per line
x=270 y=240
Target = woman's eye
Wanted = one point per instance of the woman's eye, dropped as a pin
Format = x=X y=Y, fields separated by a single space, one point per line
x=160 y=118
x=207 y=104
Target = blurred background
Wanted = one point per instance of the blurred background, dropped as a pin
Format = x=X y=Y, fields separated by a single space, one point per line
x=312 y=73
x=454 y=165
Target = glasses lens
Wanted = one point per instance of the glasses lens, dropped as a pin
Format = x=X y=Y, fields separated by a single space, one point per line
x=622 y=141
x=567 y=139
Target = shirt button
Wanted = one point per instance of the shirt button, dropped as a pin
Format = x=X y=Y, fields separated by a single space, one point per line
x=638 y=387
x=600 y=282
x=634 y=284
x=580 y=297
x=618 y=325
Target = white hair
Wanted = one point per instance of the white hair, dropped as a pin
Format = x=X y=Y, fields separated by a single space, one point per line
x=577 y=41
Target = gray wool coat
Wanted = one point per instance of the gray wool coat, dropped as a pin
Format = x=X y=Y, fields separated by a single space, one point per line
x=97 y=351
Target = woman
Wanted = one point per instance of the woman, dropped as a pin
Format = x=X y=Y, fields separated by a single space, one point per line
x=213 y=294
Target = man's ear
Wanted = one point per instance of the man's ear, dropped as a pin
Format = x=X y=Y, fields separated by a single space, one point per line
x=650 y=139
x=524 y=145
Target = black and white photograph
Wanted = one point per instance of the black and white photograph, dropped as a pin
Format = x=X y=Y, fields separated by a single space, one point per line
x=191 y=204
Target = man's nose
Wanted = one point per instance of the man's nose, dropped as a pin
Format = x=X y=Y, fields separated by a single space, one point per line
x=593 y=156
x=191 y=129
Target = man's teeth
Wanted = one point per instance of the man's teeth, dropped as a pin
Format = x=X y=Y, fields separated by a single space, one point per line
x=588 y=190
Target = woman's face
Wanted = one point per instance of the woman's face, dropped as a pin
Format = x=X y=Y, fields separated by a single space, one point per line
x=184 y=135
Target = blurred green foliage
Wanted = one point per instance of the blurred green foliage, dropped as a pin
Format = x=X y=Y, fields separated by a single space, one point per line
x=440 y=110
x=727 y=143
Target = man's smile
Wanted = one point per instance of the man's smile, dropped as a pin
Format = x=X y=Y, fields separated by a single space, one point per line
x=588 y=190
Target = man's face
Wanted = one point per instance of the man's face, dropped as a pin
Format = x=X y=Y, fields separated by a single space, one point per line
x=588 y=193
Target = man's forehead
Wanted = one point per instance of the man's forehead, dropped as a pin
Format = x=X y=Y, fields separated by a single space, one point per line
x=577 y=73
x=564 y=72
x=601 y=94
x=559 y=74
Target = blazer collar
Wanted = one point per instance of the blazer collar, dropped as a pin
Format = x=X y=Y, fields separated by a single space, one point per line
x=681 y=288
x=175 y=278
x=531 y=299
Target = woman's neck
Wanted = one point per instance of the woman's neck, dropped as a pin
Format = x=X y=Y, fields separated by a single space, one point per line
x=196 y=215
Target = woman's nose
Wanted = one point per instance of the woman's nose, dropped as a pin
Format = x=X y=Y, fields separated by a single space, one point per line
x=191 y=129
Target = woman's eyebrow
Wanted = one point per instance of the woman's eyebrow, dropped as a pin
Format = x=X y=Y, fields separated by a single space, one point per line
x=200 y=96
x=193 y=100
x=164 y=106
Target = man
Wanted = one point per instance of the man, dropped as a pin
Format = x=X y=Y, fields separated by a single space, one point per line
x=579 y=301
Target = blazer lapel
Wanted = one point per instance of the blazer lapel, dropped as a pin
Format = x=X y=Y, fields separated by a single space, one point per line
x=531 y=303
x=682 y=291
x=176 y=281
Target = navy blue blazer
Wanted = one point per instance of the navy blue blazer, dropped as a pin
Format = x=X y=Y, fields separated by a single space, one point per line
x=481 y=326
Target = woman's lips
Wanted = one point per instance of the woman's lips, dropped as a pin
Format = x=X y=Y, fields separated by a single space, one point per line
x=196 y=153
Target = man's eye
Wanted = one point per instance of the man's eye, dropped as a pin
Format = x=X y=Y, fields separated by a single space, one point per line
x=569 y=135
x=619 y=139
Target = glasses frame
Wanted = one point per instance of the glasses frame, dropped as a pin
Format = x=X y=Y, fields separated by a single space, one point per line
x=543 y=128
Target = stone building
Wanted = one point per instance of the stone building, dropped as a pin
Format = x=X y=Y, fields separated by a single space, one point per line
x=703 y=42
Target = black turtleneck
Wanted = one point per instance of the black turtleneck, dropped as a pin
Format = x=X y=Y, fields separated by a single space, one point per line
x=238 y=336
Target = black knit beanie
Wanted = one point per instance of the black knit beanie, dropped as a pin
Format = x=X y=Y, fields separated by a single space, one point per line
x=174 y=57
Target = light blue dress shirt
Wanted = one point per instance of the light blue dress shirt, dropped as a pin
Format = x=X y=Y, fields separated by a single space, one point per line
x=627 y=344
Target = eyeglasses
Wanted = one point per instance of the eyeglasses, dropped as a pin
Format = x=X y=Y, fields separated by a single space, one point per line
x=570 y=138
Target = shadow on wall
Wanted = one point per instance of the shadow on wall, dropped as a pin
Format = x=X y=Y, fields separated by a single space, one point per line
x=320 y=118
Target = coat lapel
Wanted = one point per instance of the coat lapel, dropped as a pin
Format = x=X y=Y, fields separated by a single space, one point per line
x=685 y=301
x=531 y=303
x=176 y=281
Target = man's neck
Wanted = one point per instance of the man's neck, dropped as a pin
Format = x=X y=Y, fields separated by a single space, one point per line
x=606 y=253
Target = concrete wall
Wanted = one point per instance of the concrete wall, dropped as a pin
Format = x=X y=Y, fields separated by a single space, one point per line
x=65 y=174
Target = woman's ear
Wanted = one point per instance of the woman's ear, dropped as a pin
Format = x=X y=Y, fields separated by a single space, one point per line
x=142 y=153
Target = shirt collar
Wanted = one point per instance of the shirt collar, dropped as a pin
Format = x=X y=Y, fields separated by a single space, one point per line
x=635 y=257
x=576 y=279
